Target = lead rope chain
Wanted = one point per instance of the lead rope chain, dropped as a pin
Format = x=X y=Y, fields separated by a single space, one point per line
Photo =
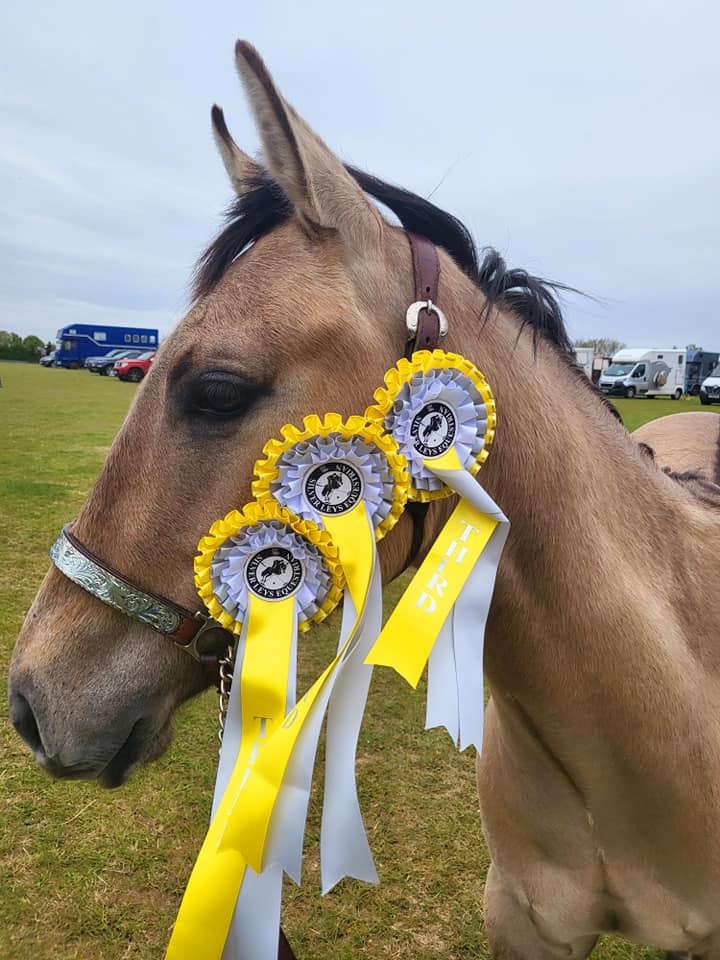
x=225 y=668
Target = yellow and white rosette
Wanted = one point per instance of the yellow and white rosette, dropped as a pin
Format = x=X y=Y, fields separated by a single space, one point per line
x=440 y=410
x=349 y=478
x=265 y=574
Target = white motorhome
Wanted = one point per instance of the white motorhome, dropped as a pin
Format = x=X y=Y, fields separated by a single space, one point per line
x=710 y=389
x=645 y=373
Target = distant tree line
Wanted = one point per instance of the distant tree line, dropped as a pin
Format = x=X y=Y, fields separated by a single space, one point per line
x=603 y=346
x=606 y=346
x=15 y=347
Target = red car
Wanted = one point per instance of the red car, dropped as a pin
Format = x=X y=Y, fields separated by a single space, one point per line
x=133 y=368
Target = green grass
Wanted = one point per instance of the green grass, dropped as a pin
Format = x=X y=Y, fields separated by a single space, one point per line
x=91 y=875
x=641 y=410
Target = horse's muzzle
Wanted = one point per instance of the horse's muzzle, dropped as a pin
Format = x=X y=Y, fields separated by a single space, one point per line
x=110 y=765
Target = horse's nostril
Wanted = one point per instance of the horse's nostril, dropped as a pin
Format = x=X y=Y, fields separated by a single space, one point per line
x=23 y=719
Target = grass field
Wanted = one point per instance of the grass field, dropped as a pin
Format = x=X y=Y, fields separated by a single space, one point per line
x=91 y=875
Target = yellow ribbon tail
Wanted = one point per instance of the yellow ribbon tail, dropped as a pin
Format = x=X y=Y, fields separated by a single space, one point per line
x=408 y=636
x=247 y=827
x=207 y=907
x=353 y=535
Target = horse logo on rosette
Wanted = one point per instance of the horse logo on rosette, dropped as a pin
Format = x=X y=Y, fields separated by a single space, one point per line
x=273 y=573
x=433 y=429
x=333 y=488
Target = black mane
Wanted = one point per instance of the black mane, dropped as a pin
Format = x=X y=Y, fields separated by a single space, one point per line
x=265 y=206
x=259 y=210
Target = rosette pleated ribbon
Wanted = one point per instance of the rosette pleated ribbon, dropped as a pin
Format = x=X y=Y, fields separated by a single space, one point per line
x=441 y=412
x=266 y=575
x=349 y=478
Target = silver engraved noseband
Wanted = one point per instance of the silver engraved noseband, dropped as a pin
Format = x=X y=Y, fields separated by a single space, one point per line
x=81 y=566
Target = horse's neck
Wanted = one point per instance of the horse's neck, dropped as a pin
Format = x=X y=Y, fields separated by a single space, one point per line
x=586 y=591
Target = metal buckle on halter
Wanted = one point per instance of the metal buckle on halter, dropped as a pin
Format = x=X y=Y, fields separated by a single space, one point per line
x=412 y=317
x=192 y=647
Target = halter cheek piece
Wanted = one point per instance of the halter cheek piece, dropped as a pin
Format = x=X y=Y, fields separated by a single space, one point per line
x=426 y=325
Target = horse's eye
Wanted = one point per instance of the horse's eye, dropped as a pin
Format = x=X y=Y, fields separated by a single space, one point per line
x=218 y=393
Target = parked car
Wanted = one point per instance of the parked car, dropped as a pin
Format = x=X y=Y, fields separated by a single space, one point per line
x=79 y=341
x=134 y=369
x=48 y=360
x=103 y=365
x=710 y=389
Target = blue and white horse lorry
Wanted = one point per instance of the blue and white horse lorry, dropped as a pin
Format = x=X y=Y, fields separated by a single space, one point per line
x=77 y=342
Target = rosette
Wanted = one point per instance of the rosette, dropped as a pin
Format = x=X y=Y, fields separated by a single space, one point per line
x=431 y=404
x=265 y=574
x=271 y=552
x=326 y=469
x=350 y=479
x=441 y=412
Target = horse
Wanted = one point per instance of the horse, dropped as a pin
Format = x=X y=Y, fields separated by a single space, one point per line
x=276 y=569
x=684 y=442
x=435 y=424
x=598 y=778
x=332 y=483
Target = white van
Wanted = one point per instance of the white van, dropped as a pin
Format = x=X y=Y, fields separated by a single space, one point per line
x=645 y=373
x=710 y=388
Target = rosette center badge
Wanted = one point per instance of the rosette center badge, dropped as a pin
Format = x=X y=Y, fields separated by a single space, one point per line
x=274 y=573
x=433 y=429
x=333 y=488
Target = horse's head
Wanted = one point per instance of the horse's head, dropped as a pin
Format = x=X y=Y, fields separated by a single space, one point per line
x=306 y=320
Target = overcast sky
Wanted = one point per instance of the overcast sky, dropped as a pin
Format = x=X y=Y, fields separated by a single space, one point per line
x=580 y=139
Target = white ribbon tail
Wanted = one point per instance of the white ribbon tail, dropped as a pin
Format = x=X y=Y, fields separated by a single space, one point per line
x=442 y=708
x=287 y=825
x=232 y=731
x=344 y=848
x=464 y=706
x=255 y=927
x=469 y=619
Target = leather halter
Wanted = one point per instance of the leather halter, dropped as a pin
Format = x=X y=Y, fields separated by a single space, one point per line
x=426 y=325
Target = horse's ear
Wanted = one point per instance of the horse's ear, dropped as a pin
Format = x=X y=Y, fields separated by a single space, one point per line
x=321 y=190
x=241 y=168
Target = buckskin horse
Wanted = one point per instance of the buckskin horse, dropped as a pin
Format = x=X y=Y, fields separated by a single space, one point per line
x=685 y=443
x=599 y=779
